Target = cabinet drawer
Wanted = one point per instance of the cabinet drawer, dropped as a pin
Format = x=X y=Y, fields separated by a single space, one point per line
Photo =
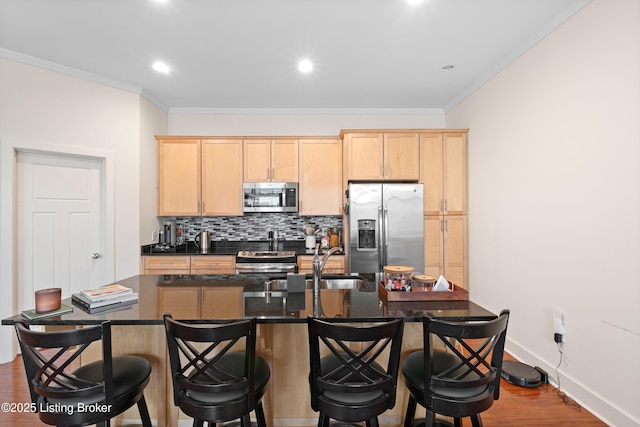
x=167 y=262
x=335 y=264
x=213 y=264
x=213 y=261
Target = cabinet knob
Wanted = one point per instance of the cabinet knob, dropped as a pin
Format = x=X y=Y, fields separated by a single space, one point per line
x=95 y=255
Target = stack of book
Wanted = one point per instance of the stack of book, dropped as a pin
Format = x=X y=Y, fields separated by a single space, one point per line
x=106 y=298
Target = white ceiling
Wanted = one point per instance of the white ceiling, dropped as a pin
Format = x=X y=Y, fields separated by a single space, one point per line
x=237 y=54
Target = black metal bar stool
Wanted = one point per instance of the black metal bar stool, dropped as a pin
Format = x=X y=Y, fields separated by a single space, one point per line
x=212 y=381
x=464 y=379
x=351 y=385
x=91 y=394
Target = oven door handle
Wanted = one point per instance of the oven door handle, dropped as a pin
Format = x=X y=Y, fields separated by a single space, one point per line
x=254 y=268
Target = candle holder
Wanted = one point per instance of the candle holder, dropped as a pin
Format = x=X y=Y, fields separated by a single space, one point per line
x=48 y=299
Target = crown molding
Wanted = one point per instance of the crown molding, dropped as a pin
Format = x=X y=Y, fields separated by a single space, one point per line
x=311 y=111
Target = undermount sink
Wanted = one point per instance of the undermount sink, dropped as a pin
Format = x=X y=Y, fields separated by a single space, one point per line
x=278 y=287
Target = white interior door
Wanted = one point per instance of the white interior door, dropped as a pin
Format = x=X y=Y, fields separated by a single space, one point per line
x=61 y=237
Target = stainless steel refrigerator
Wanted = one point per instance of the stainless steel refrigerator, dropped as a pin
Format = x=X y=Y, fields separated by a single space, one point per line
x=386 y=226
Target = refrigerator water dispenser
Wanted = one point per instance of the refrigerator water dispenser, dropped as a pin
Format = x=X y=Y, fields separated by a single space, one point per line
x=367 y=234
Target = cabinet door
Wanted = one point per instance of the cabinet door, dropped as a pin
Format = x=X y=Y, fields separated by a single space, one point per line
x=433 y=246
x=444 y=173
x=401 y=156
x=224 y=302
x=222 y=177
x=178 y=176
x=432 y=173
x=455 y=173
x=257 y=160
x=284 y=160
x=445 y=247
x=267 y=160
x=455 y=244
x=365 y=156
x=320 y=179
x=183 y=302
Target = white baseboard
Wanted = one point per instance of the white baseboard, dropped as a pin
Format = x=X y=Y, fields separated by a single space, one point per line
x=589 y=399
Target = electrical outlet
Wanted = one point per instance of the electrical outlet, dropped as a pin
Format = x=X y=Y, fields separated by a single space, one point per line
x=558 y=326
x=154 y=236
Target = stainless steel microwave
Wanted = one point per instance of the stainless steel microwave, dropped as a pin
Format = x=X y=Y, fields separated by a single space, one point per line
x=270 y=196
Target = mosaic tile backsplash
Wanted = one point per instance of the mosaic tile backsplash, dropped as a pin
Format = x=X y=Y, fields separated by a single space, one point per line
x=254 y=226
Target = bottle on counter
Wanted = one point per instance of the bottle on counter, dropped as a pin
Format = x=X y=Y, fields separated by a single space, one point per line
x=324 y=241
x=334 y=238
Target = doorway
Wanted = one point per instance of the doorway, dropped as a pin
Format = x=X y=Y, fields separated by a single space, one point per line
x=60 y=219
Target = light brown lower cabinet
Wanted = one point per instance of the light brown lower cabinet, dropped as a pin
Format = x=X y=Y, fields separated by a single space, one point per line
x=185 y=264
x=201 y=302
x=445 y=247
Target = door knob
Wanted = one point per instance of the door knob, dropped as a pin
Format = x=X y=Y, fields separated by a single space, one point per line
x=95 y=255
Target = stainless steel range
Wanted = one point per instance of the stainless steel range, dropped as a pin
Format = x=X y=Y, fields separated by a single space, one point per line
x=252 y=262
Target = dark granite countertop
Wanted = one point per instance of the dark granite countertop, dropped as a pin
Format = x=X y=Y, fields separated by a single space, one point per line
x=227 y=247
x=246 y=292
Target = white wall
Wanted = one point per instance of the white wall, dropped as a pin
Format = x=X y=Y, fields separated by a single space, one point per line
x=52 y=111
x=153 y=121
x=554 y=203
x=297 y=122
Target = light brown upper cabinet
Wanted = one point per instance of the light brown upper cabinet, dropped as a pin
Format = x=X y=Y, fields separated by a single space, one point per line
x=320 y=178
x=444 y=172
x=199 y=177
x=222 y=177
x=270 y=160
x=178 y=176
x=382 y=156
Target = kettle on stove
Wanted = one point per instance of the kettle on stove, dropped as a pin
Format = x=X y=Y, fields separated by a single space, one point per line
x=202 y=241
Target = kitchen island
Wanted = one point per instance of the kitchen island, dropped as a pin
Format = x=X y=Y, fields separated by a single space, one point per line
x=282 y=336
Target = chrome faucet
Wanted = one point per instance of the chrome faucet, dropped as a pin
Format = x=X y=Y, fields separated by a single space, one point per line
x=318 y=266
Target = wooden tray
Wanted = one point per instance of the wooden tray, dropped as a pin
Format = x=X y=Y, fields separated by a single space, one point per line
x=458 y=294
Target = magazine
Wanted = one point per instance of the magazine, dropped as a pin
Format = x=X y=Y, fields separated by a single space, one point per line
x=106 y=292
x=32 y=314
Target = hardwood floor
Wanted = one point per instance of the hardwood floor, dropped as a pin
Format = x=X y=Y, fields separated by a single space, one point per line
x=517 y=406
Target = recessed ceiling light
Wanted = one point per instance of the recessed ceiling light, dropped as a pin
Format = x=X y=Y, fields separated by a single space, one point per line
x=447 y=67
x=414 y=1
x=305 y=66
x=161 y=67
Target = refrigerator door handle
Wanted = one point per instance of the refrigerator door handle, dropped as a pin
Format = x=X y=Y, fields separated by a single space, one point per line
x=385 y=215
x=380 y=240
